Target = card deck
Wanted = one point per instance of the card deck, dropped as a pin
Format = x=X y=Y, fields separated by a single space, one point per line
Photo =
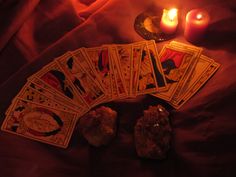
x=33 y=121
x=48 y=106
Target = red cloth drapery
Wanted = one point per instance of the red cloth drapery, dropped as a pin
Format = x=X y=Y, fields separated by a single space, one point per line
x=33 y=32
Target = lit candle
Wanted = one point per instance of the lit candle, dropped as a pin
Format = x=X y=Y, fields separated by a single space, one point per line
x=169 y=21
x=197 y=21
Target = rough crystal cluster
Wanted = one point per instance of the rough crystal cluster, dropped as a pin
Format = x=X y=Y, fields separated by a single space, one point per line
x=153 y=133
x=99 y=126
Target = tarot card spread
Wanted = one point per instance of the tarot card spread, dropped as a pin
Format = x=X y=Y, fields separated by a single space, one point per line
x=48 y=106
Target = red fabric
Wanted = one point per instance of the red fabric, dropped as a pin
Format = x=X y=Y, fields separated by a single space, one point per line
x=33 y=32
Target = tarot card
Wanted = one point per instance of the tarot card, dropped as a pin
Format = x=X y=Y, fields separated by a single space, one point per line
x=137 y=54
x=40 y=86
x=177 y=65
x=115 y=94
x=185 y=80
x=160 y=77
x=53 y=76
x=124 y=56
x=183 y=45
x=201 y=66
x=122 y=92
x=193 y=88
x=81 y=81
x=35 y=93
x=100 y=60
x=85 y=63
x=33 y=121
x=146 y=77
x=31 y=94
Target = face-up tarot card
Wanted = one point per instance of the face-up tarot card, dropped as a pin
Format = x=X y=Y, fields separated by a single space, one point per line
x=203 y=71
x=147 y=82
x=85 y=62
x=39 y=86
x=81 y=80
x=120 y=82
x=53 y=76
x=196 y=51
x=177 y=64
x=100 y=60
x=136 y=58
x=156 y=63
x=124 y=57
x=40 y=123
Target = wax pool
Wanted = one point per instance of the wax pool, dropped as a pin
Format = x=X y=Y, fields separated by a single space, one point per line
x=197 y=21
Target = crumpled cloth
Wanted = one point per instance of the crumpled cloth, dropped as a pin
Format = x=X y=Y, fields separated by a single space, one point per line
x=33 y=32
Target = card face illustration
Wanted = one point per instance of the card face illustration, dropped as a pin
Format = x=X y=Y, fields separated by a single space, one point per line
x=37 y=85
x=137 y=54
x=56 y=79
x=40 y=123
x=33 y=93
x=196 y=53
x=203 y=78
x=146 y=77
x=120 y=82
x=100 y=60
x=175 y=63
x=201 y=67
x=156 y=63
x=81 y=81
x=85 y=62
x=124 y=56
x=114 y=85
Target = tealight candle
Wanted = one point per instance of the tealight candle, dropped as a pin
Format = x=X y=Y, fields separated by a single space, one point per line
x=197 y=21
x=169 y=21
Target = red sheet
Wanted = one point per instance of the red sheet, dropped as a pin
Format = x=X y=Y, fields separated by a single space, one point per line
x=33 y=32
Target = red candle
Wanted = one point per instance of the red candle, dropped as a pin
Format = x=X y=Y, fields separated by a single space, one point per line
x=169 y=21
x=197 y=21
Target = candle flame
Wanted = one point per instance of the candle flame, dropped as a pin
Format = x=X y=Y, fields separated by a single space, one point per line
x=199 y=16
x=172 y=13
